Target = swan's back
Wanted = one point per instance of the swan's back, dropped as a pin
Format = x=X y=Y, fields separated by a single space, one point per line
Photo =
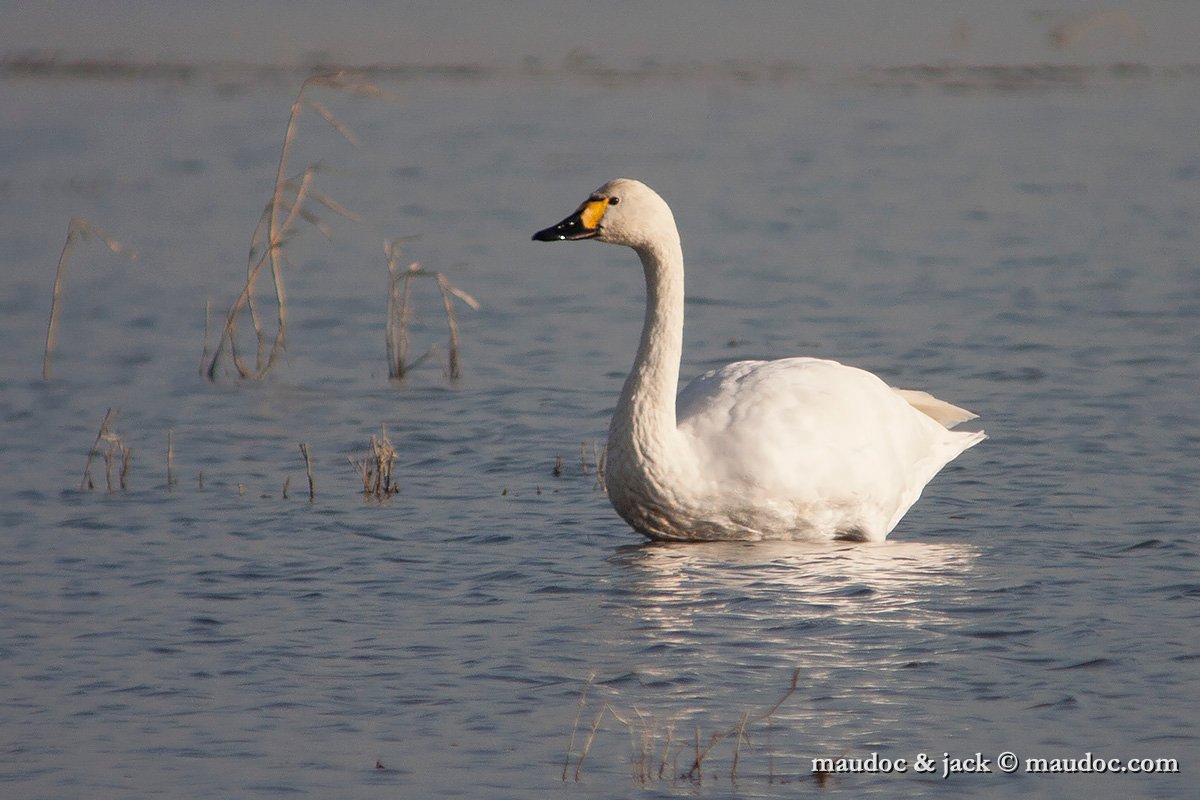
x=831 y=447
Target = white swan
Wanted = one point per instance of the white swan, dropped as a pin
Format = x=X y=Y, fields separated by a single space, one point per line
x=798 y=448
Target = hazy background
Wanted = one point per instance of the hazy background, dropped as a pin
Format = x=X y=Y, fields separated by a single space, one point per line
x=856 y=32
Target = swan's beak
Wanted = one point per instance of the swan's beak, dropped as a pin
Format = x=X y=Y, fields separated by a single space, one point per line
x=583 y=224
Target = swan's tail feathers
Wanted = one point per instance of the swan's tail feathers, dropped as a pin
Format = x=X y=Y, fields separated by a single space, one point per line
x=945 y=414
x=971 y=438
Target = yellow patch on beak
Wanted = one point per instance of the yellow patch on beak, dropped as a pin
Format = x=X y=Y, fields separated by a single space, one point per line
x=591 y=212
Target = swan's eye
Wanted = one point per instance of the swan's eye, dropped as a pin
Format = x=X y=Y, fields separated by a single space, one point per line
x=612 y=201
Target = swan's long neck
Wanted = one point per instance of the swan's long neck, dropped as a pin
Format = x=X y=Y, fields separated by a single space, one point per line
x=643 y=428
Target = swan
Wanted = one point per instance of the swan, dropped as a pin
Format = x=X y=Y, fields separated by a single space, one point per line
x=799 y=448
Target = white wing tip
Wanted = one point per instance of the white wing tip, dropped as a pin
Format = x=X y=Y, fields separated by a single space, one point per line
x=945 y=414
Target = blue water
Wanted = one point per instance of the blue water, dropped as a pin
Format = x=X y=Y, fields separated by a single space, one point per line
x=1019 y=242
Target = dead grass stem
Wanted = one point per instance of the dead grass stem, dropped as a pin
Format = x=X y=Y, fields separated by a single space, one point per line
x=575 y=727
x=399 y=312
x=276 y=225
x=644 y=733
x=376 y=468
x=597 y=465
x=77 y=229
x=312 y=487
x=116 y=454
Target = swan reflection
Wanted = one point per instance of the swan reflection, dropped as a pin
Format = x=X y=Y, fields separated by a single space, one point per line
x=702 y=635
x=779 y=591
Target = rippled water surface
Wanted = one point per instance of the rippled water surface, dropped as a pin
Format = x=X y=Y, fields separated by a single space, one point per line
x=1020 y=243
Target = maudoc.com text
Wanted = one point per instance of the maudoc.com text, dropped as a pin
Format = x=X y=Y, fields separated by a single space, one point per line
x=1008 y=762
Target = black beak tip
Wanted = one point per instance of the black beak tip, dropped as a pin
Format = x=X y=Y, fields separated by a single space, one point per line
x=569 y=230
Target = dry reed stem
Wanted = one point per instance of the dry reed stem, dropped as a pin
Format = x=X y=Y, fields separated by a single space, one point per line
x=207 y=319
x=312 y=487
x=397 y=310
x=376 y=468
x=114 y=446
x=126 y=460
x=276 y=225
x=600 y=459
x=588 y=744
x=740 y=728
x=78 y=228
x=400 y=311
x=643 y=766
x=86 y=482
x=245 y=299
x=662 y=764
x=597 y=464
x=170 y=459
x=739 y=737
x=643 y=733
x=575 y=727
x=699 y=759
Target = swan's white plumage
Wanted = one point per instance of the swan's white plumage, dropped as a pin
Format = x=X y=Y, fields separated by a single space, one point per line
x=797 y=448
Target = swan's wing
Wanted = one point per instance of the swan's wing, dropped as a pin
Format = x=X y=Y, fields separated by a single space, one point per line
x=797 y=422
x=947 y=414
x=820 y=434
x=716 y=386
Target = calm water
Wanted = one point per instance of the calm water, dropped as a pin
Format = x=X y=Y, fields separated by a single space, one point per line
x=1022 y=244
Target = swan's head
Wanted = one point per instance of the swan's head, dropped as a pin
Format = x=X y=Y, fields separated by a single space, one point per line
x=622 y=211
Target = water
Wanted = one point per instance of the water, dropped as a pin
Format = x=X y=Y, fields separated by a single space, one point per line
x=1024 y=247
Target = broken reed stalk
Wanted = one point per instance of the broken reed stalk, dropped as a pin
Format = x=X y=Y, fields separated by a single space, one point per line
x=114 y=446
x=78 y=228
x=312 y=487
x=400 y=312
x=277 y=224
x=376 y=468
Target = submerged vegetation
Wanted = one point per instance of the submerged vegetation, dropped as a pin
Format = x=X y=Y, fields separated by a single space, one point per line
x=294 y=199
x=657 y=754
x=377 y=468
